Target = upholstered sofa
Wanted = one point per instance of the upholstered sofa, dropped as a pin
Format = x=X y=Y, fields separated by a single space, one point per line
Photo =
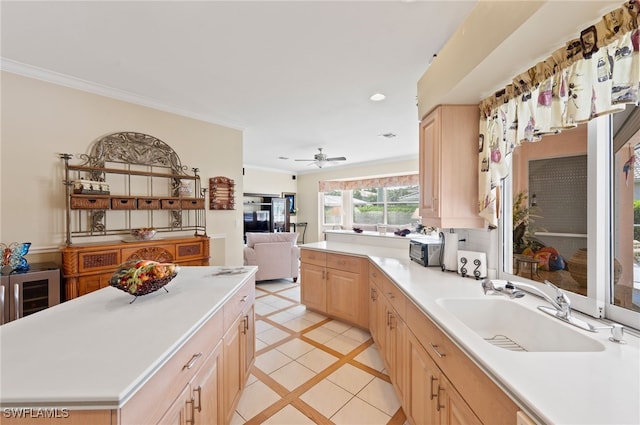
x=275 y=254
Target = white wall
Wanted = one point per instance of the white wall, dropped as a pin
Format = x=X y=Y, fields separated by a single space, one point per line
x=308 y=200
x=41 y=120
x=259 y=180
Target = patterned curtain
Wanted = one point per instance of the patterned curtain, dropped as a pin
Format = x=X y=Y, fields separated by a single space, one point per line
x=393 y=181
x=595 y=74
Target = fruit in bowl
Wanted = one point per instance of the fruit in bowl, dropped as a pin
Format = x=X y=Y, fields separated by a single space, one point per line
x=141 y=277
x=143 y=233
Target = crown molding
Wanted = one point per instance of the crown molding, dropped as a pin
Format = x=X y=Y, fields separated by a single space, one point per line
x=57 y=78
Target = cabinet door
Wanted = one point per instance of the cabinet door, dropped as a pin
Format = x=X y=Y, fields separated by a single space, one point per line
x=249 y=342
x=177 y=413
x=313 y=287
x=205 y=390
x=233 y=374
x=396 y=351
x=88 y=284
x=343 y=295
x=422 y=385
x=453 y=409
x=430 y=138
x=374 y=315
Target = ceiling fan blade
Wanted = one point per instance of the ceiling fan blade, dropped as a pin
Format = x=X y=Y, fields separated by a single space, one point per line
x=304 y=159
x=337 y=158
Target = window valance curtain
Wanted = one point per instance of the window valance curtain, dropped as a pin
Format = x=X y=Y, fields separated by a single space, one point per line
x=393 y=181
x=595 y=74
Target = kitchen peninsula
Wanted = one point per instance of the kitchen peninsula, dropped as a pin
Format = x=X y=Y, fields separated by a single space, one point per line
x=595 y=382
x=103 y=359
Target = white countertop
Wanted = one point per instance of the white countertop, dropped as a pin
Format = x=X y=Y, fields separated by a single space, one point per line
x=600 y=387
x=95 y=351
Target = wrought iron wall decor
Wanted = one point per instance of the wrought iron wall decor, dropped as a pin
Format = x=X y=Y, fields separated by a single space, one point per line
x=149 y=161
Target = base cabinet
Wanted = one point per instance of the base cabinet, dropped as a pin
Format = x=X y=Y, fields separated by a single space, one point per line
x=239 y=355
x=336 y=285
x=88 y=267
x=434 y=380
x=431 y=397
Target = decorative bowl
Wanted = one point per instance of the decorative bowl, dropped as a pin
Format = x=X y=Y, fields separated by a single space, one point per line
x=144 y=233
x=142 y=277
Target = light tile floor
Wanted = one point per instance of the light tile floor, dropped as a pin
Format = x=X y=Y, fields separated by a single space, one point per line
x=311 y=369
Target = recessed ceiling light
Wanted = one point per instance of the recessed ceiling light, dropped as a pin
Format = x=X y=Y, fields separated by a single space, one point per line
x=283 y=157
x=378 y=97
x=388 y=135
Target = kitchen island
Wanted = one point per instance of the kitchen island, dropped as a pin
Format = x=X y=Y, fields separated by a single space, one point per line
x=103 y=356
x=597 y=385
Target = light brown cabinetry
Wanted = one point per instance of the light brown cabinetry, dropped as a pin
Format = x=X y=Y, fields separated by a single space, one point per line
x=387 y=307
x=238 y=347
x=209 y=370
x=449 y=167
x=466 y=381
x=336 y=285
x=434 y=380
x=432 y=399
x=88 y=267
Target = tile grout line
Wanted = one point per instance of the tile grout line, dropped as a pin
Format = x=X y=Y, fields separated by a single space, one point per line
x=292 y=397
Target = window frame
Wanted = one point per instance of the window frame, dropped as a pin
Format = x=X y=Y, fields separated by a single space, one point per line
x=599 y=299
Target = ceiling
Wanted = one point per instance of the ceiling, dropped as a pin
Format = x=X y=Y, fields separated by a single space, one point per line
x=292 y=75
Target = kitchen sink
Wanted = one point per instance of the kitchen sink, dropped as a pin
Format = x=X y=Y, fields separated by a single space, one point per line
x=510 y=325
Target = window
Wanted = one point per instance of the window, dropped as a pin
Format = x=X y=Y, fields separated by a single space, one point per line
x=596 y=238
x=389 y=205
x=332 y=208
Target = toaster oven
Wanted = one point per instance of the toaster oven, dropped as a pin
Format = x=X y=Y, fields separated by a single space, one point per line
x=426 y=252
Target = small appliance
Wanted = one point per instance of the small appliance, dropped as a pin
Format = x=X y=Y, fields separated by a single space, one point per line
x=426 y=251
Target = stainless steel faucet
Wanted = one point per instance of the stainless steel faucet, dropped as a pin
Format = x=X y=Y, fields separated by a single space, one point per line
x=561 y=305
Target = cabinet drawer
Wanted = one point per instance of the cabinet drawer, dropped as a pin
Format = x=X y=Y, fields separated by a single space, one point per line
x=395 y=296
x=189 y=250
x=313 y=257
x=98 y=260
x=426 y=332
x=123 y=203
x=489 y=403
x=89 y=203
x=87 y=284
x=192 y=204
x=160 y=253
x=148 y=203
x=170 y=204
x=376 y=276
x=344 y=262
x=150 y=402
x=239 y=303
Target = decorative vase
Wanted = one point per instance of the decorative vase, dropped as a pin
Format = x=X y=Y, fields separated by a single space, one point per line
x=577 y=265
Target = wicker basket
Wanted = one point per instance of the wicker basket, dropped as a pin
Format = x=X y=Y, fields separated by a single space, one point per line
x=142 y=288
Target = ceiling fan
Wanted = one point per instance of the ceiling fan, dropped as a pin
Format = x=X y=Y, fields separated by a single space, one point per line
x=320 y=159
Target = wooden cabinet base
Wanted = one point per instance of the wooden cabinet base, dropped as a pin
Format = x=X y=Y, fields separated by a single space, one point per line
x=88 y=267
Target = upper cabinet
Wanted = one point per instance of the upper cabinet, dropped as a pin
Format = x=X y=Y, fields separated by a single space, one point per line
x=449 y=167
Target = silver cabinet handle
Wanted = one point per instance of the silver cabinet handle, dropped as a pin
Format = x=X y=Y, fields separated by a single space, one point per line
x=1 y=304
x=199 y=406
x=435 y=348
x=244 y=299
x=193 y=361
x=431 y=394
x=439 y=406
x=16 y=299
x=192 y=421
